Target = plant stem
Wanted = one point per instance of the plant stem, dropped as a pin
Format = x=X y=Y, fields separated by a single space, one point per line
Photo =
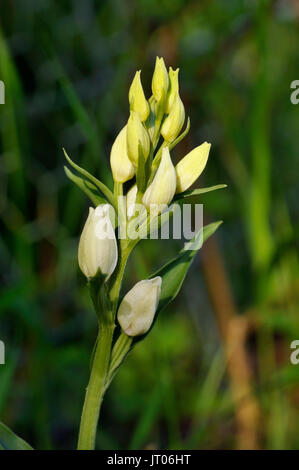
x=120 y=350
x=96 y=388
x=101 y=361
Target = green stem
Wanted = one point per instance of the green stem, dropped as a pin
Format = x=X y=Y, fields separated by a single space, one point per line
x=116 y=279
x=101 y=361
x=119 y=351
x=96 y=388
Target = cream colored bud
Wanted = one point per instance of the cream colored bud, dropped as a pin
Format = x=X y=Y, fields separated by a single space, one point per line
x=137 y=99
x=160 y=80
x=131 y=199
x=191 y=166
x=173 y=88
x=137 y=138
x=137 y=309
x=121 y=166
x=97 y=253
x=162 y=189
x=174 y=121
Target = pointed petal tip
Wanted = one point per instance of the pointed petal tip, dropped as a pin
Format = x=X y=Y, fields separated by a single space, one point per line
x=156 y=280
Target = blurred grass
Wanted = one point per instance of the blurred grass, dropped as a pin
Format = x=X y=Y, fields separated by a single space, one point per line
x=67 y=69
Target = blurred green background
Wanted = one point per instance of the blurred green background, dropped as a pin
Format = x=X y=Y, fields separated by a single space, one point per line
x=215 y=372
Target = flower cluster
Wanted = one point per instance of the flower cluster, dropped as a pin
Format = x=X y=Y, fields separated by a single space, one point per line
x=133 y=152
x=142 y=151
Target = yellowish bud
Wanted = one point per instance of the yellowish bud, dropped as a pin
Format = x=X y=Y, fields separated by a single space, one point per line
x=162 y=189
x=191 y=166
x=173 y=88
x=160 y=80
x=137 y=138
x=137 y=309
x=174 y=121
x=137 y=99
x=97 y=251
x=121 y=166
x=131 y=199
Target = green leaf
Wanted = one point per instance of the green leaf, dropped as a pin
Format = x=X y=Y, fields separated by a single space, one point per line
x=10 y=441
x=197 y=192
x=88 y=188
x=174 y=272
x=173 y=275
x=102 y=187
x=140 y=175
x=150 y=122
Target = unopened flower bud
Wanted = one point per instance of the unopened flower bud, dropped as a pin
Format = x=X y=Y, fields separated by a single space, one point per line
x=137 y=309
x=173 y=88
x=191 y=166
x=137 y=99
x=137 y=138
x=131 y=199
x=174 y=121
x=121 y=166
x=97 y=253
x=160 y=80
x=162 y=189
